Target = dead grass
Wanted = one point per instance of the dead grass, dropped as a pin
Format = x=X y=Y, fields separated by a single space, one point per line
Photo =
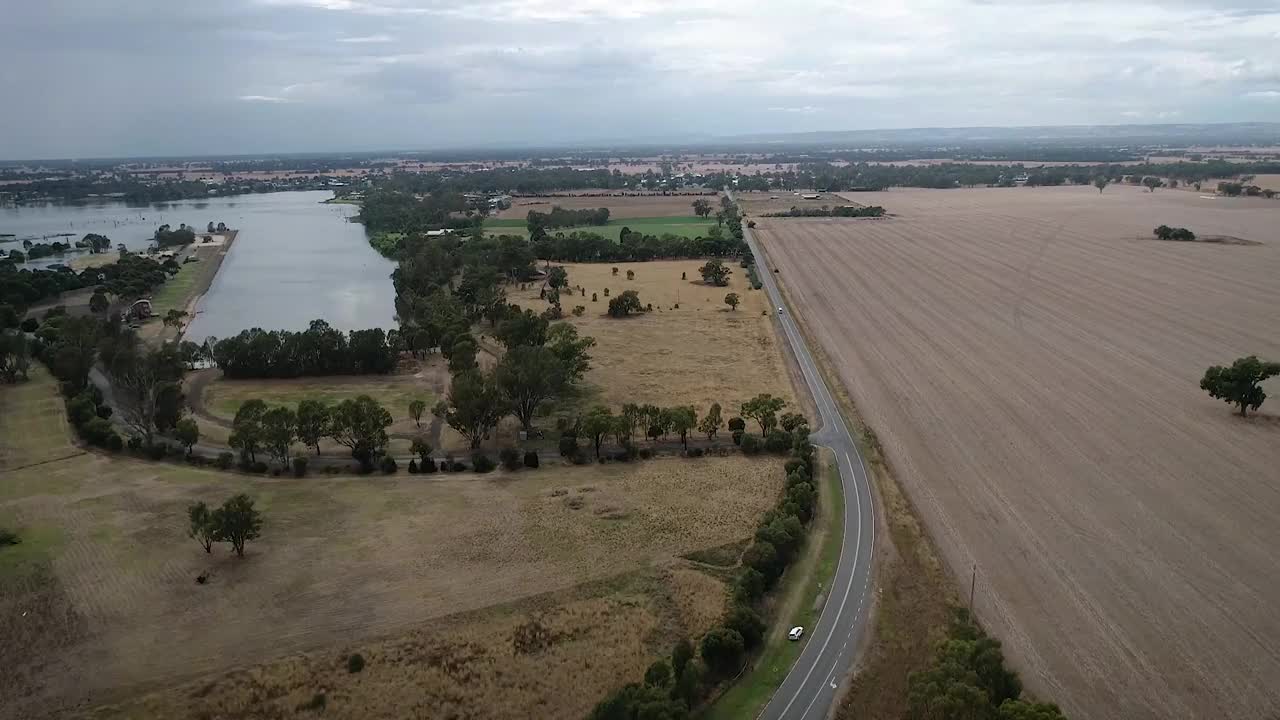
x=697 y=354
x=755 y=204
x=342 y=560
x=620 y=206
x=1032 y=370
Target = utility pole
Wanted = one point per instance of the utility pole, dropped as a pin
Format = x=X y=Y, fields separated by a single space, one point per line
x=973 y=583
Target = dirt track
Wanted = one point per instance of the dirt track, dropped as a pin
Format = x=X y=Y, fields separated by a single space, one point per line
x=1031 y=362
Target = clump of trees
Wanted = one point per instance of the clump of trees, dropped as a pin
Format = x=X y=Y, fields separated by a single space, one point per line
x=968 y=678
x=318 y=350
x=1164 y=232
x=715 y=272
x=559 y=217
x=164 y=236
x=837 y=211
x=624 y=304
x=359 y=423
x=236 y=522
x=130 y=277
x=1240 y=384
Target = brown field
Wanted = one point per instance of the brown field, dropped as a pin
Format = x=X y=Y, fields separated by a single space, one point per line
x=755 y=204
x=620 y=206
x=98 y=604
x=1030 y=360
x=696 y=355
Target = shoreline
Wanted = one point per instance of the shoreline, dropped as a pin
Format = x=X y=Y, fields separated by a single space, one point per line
x=209 y=266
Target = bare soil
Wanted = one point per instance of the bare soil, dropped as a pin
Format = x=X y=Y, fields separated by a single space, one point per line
x=1031 y=364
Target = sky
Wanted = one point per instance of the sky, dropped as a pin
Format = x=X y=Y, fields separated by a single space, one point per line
x=112 y=78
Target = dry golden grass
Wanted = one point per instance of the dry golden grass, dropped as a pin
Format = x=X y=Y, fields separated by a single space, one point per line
x=341 y=560
x=1030 y=359
x=624 y=206
x=550 y=656
x=698 y=354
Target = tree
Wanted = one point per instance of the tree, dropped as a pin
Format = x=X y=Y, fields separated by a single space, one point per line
x=1152 y=182
x=361 y=424
x=312 y=422
x=732 y=300
x=15 y=356
x=683 y=419
x=474 y=406
x=142 y=380
x=631 y=274
x=701 y=207
x=571 y=350
x=681 y=654
x=557 y=277
x=715 y=272
x=1027 y=710
x=658 y=675
x=416 y=408
x=711 y=422
x=246 y=428
x=722 y=649
x=1240 y=384
x=188 y=433
x=1101 y=183
x=98 y=303
x=462 y=356
x=237 y=522
x=625 y=304
x=597 y=423
x=522 y=328
x=421 y=448
x=763 y=409
x=527 y=377
x=174 y=318
x=201 y=526
x=279 y=430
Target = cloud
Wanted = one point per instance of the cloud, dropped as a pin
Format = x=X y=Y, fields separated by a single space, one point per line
x=345 y=74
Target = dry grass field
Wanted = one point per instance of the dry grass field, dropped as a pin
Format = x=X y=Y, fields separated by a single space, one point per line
x=99 y=602
x=620 y=206
x=698 y=354
x=1030 y=360
x=755 y=204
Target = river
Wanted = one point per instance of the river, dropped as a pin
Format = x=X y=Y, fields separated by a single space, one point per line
x=295 y=259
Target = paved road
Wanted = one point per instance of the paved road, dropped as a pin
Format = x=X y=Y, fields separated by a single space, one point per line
x=809 y=689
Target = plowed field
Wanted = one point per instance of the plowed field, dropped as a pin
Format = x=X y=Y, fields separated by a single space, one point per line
x=1030 y=359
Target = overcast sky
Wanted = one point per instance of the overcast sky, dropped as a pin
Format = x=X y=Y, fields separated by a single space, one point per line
x=85 y=78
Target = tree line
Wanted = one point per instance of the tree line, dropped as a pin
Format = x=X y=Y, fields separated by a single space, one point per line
x=318 y=350
x=672 y=687
x=559 y=217
x=132 y=276
x=837 y=211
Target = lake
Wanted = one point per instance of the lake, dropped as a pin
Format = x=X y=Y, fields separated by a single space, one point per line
x=294 y=260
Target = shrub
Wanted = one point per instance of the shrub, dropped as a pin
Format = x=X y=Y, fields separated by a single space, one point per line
x=258 y=467
x=157 y=451
x=737 y=437
x=8 y=538
x=751 y=445
x=694 y=452
x=578 y=310
x=355 y=663
x=777 y=442
x=645 y=453
x=135 y=444
x=29 y=325
x=482 y=463
x=531 y=459
x=80 y=410
x=225 y=460
x=457 y=466
x=568 y=446
x=413 y=466
x=427 y=466
x=114 y=442
x=104 y=412
x=299 y=466
x=749 y=587
x=388 y=465
x=96 y=431
x=722 y=649
x=317 y=702
x=737 y=424
x=510 y=458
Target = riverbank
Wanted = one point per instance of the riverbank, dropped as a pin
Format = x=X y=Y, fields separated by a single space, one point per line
x=185 y=290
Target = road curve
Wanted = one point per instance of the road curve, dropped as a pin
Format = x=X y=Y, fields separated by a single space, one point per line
x=809 y=689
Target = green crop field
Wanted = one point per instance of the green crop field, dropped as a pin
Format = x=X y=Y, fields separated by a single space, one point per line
x=684 y=226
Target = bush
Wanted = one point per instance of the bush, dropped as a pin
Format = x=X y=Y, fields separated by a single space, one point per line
x=258 y=467
x=413 y=466
x=104 y=412
x=114 y=442
x=737 y=437
x=388 y=465
x=722 y=649
x=80 y=410
x=694 y=452
x=748 y=624
x=510 y=459
x=568 y=446
x=135 y=444
x=157 y=451
x=29 y=325
x=751 y=445
x=457 y=466
x=482 y=463
x=299 y=466
x=225 y=460
x=646 y=453
x=96 y=431
x=355 y=663
x=427 y=466
x=531 y=459
x=737 y=424
x=777 y=442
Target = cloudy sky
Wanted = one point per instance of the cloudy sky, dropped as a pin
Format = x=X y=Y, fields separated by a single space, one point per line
x=84 y=78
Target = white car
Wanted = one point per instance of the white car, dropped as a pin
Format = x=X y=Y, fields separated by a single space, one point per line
x=795 y=633
x=779 y=308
